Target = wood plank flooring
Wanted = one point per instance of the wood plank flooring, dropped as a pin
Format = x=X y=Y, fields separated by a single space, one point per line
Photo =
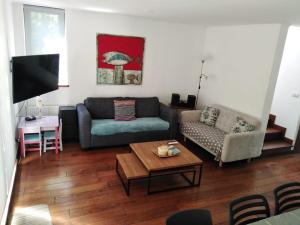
x=81 y=187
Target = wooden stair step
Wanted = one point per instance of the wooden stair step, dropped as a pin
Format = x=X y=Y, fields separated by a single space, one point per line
x=276 y=144
x=274 y=133
x=273 y=130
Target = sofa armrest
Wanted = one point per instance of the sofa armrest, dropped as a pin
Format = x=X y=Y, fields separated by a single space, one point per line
x=84 y=126
x=190 y=116
x=240 y=146
x=170 y=115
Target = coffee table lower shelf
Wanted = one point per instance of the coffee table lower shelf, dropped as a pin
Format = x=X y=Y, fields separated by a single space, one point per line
x=132 y=169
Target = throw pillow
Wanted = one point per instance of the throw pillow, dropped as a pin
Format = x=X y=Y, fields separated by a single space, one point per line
x=241 y=125
x=209 y=115
x=124 y=109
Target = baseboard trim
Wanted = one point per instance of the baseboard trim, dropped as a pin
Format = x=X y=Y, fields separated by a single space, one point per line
x=6 y=209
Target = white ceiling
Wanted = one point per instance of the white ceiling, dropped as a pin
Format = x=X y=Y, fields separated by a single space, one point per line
x=192 y=11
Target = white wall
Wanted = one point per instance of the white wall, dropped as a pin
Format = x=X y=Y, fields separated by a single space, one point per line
x=239 y=63
x=7 y=123
x=242 y=61
x=171 y=58
x=286 y=101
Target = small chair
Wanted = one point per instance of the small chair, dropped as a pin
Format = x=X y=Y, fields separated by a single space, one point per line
x=49 y=139
x=190 y=217
x=287 y=197
x=32 y=140
x=248 y=209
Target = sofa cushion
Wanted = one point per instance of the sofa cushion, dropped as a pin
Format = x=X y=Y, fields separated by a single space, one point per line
x=228 y=116
x=103 y=108
x=208 y=137
x=100 y=108
x=242 y=125
x=225 y=120
x=110 y=126
x=209 y=115
x=124 y=109
x=147 y=107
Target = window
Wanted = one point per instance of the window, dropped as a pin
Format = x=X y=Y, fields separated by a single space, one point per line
x=45 y=34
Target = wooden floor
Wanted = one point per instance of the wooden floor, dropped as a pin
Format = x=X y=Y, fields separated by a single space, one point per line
x=82 y=187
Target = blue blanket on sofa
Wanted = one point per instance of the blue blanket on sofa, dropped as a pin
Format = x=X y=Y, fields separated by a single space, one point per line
x=110 y=126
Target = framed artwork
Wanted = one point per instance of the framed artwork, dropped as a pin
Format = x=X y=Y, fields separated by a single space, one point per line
x=119 y=59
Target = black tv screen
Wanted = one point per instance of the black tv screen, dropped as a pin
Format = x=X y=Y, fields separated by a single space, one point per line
x=34 y=75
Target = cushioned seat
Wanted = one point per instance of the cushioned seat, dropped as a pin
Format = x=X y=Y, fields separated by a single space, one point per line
x=49 y=134
x=31 y=137
x=111 y=126
x=209 y=137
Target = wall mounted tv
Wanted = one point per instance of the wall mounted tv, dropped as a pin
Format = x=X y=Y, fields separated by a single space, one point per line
x=34 y=75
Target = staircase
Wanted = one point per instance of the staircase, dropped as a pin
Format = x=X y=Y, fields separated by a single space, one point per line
x=275 y=140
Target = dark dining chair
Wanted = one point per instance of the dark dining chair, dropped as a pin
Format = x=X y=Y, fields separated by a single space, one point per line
x=190 y=217
x=287 y=197
x=248 y=209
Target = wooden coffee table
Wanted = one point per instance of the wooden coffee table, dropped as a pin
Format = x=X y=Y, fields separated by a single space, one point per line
x=142 y=163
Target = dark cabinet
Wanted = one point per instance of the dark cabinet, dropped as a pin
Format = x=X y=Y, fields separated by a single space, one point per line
x=68 y=114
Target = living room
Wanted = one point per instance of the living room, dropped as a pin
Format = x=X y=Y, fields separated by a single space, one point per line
x=237 y=46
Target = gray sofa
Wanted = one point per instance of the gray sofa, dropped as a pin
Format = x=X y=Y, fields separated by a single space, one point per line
x=218 y=140
x=97 y=127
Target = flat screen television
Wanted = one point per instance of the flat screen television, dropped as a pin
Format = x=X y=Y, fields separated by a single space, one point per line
x=34 y=75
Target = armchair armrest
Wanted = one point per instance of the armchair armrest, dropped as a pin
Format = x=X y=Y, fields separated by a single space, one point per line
x=190 y=116
x=84 y=126
x=240 y=146
x=170 y=115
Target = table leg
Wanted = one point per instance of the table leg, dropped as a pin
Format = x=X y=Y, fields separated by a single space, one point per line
x=149 y=183
x=200 y=174
x=21 y=136
x=56 y=140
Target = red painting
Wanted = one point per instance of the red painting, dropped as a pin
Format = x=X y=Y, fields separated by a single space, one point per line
x=120 y=59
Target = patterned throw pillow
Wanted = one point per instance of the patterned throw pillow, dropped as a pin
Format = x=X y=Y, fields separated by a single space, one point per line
x=241 y=125
x=209 y=115
x=124 y=109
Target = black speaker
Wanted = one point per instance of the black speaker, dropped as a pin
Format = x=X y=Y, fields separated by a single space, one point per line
x=191 y=101
x=175 y=99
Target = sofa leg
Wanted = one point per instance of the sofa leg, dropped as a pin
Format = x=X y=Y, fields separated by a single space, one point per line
x=248 y=160
x=184 y=138
x=220 y=163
